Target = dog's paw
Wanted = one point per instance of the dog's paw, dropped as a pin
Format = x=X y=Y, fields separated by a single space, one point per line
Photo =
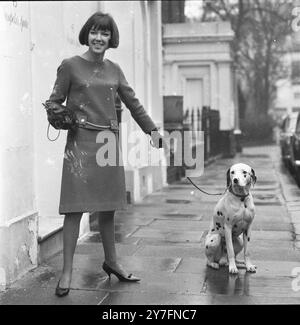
x=223 y=261
x=213 y=265
x=240 y=264
x=233 y=269
x=251 y=268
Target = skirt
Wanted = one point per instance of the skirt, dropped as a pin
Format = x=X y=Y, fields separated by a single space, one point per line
x=93 y=177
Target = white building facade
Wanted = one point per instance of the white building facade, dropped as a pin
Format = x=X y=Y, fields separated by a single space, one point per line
x=198 y=66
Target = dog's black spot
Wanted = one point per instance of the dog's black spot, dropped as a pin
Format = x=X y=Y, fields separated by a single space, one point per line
x=245 y=205
x=213 y=229
x=218 y=213
x=211 y=240
x=218 y=224
x=248 y=238
x=228 y=218
x=235 y=226
x=206 y=247
x=245 y=176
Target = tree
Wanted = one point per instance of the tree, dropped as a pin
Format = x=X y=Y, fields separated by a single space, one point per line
x=260 y=28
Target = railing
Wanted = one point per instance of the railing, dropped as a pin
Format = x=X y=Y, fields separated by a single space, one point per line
x=207 y=121
x=192 y=119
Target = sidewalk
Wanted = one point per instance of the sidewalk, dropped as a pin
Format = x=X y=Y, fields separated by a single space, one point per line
x=161 y=240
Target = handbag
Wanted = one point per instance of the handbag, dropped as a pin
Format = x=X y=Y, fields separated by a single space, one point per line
x=60 y=116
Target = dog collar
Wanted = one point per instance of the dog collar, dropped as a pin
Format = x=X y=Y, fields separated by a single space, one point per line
x=242 y=197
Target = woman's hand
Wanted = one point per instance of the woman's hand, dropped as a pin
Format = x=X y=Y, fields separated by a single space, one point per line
x=54 y=107
x=158 y=141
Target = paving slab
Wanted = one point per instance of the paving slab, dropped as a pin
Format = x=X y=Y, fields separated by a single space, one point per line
x=180 y=225
x=96 y=248
x=158 y=298
x=253 y=300
x=272 y=235
x=170 y=250
x=163 y=241
x=220 y=282
x=264 y=268
x=95 y=238
x=43 y=296
x=163 y=282
x=170 y=235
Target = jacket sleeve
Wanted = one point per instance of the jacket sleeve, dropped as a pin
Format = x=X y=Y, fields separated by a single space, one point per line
x=62 y=84
x=137 y=111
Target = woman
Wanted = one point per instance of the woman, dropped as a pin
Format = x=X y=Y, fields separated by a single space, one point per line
x=90 y=84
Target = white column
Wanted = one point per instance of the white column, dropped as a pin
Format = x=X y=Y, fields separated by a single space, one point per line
x=226 y=104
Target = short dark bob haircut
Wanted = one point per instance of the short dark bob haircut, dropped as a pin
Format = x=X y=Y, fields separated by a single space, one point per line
x=101 y=21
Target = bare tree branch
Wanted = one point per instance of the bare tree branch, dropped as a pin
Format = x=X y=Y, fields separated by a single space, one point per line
x=260 y=28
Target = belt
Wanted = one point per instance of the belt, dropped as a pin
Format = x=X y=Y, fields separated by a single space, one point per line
x=84 y=123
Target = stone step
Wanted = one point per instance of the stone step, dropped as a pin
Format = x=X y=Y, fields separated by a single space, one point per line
x=50 y=235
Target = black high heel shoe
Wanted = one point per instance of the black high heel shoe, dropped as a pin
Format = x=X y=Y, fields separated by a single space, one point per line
x=61 y=292
x=129 y=278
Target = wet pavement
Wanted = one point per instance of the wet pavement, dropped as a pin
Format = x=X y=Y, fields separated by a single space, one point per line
x=161 y=241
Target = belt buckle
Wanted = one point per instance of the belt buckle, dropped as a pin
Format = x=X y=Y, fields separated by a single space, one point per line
x=82 y=119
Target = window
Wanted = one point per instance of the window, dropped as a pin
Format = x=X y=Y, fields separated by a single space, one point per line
x=296 y=72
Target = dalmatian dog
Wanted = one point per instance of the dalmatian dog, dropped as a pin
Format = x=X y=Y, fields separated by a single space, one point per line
x=232 y=219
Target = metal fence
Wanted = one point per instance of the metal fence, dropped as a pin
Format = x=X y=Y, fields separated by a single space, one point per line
x=193 y=119
x=208 y=121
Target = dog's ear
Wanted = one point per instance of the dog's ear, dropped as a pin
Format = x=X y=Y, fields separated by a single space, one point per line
x=228 y=177
x=253 y=176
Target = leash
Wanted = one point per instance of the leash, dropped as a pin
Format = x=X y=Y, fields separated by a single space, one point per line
x=203 y=190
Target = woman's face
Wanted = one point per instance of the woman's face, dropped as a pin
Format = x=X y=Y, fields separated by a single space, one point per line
x=98 y=40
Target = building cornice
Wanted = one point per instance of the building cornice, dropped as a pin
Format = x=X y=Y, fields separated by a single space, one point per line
x=184 y=39
x=197 y=32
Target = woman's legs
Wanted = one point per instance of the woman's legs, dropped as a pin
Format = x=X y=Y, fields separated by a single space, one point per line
x=70 y=236
x=107 y=230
